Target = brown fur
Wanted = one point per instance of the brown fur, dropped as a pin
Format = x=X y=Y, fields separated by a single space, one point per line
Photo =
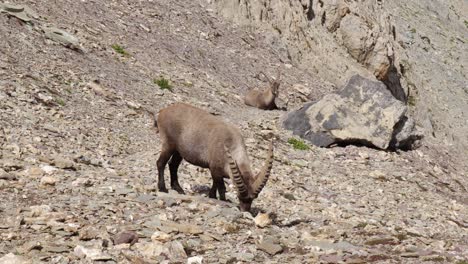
x=202 y=139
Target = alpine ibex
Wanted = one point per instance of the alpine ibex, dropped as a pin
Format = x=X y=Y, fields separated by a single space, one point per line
x=264 y=99
x=204 y=140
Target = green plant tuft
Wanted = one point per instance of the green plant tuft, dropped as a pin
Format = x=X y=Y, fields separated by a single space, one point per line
x=163 y=84
x=119 y=49
x=411 y=100
x=60 y=101
x=298 y=144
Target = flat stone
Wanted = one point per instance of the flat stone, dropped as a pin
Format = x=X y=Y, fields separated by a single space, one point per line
x=270 y=247
x=64 y=163
x=11 y=258
x=56 y=249
x=6 y=176
x=183 y=228
x=381 y=241
x=152 y=249
x=177 y=251
x=126 y=237
x=144 y=198
x=91 y=253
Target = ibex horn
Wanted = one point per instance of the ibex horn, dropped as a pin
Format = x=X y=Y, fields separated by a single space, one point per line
x=264 y=174
x=236 y=175
x=266 y=76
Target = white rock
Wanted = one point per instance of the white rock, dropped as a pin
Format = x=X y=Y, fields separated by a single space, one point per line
x=49 y=180
x=48 y=169
x=195 y=260
x=11 y=258
x=160 y=236
x=262 y=220
x=90 y=253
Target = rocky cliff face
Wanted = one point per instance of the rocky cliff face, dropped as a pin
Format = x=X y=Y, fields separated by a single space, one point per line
x=78 y=156
x=417 y=49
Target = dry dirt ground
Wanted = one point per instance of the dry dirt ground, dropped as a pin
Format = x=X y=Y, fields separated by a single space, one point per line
x=78 y=156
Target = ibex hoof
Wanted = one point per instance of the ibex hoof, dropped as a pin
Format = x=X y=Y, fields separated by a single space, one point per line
x=178 y=189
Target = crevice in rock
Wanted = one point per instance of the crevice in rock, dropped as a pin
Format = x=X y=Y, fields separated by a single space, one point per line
x=393 y=83
x=355 y=142
x=310 y=12
x=409 y=143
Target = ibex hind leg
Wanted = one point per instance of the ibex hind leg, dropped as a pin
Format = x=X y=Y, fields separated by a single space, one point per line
x=164 y=157
x=176 y=159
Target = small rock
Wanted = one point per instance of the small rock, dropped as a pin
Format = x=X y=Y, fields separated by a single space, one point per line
x=381 y=241
x=126 y=237
x=48 y=169
x=6 y=176
x=40 y=210
x=89 y=233
x=262 y=220
x=195 y=260
x=57 y=249
x=85 y=182
x=35 y=172
x=3 y=184
x=64 y=163
x=270 y=247
x=152 y=249
x=91 y=253
x=160 y=236
x=183 y=228
x=11 y=258
x=49 y=181
x=177 y=251
x=30 y=245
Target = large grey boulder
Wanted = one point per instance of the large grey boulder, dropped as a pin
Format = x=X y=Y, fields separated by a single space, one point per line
x=363 y=112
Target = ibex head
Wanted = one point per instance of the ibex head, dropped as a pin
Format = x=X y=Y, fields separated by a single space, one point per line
x=249 y=188
x=275 y=84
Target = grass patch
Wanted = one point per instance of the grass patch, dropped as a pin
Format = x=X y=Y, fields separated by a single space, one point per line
x=466 y=24
x=120 y=50
x=413 y=30
x=164 y=84
x=298 y=144
x=411 y=100
x=60 y=101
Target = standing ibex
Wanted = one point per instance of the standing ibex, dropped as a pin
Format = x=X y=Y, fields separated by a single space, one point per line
x=204 y=140
x=264 y=99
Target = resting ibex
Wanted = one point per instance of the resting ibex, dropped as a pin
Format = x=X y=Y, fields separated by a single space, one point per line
x=264 y=99
x=204 y=140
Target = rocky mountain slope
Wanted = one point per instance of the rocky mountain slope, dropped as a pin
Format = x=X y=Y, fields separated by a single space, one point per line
x=77 y=161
